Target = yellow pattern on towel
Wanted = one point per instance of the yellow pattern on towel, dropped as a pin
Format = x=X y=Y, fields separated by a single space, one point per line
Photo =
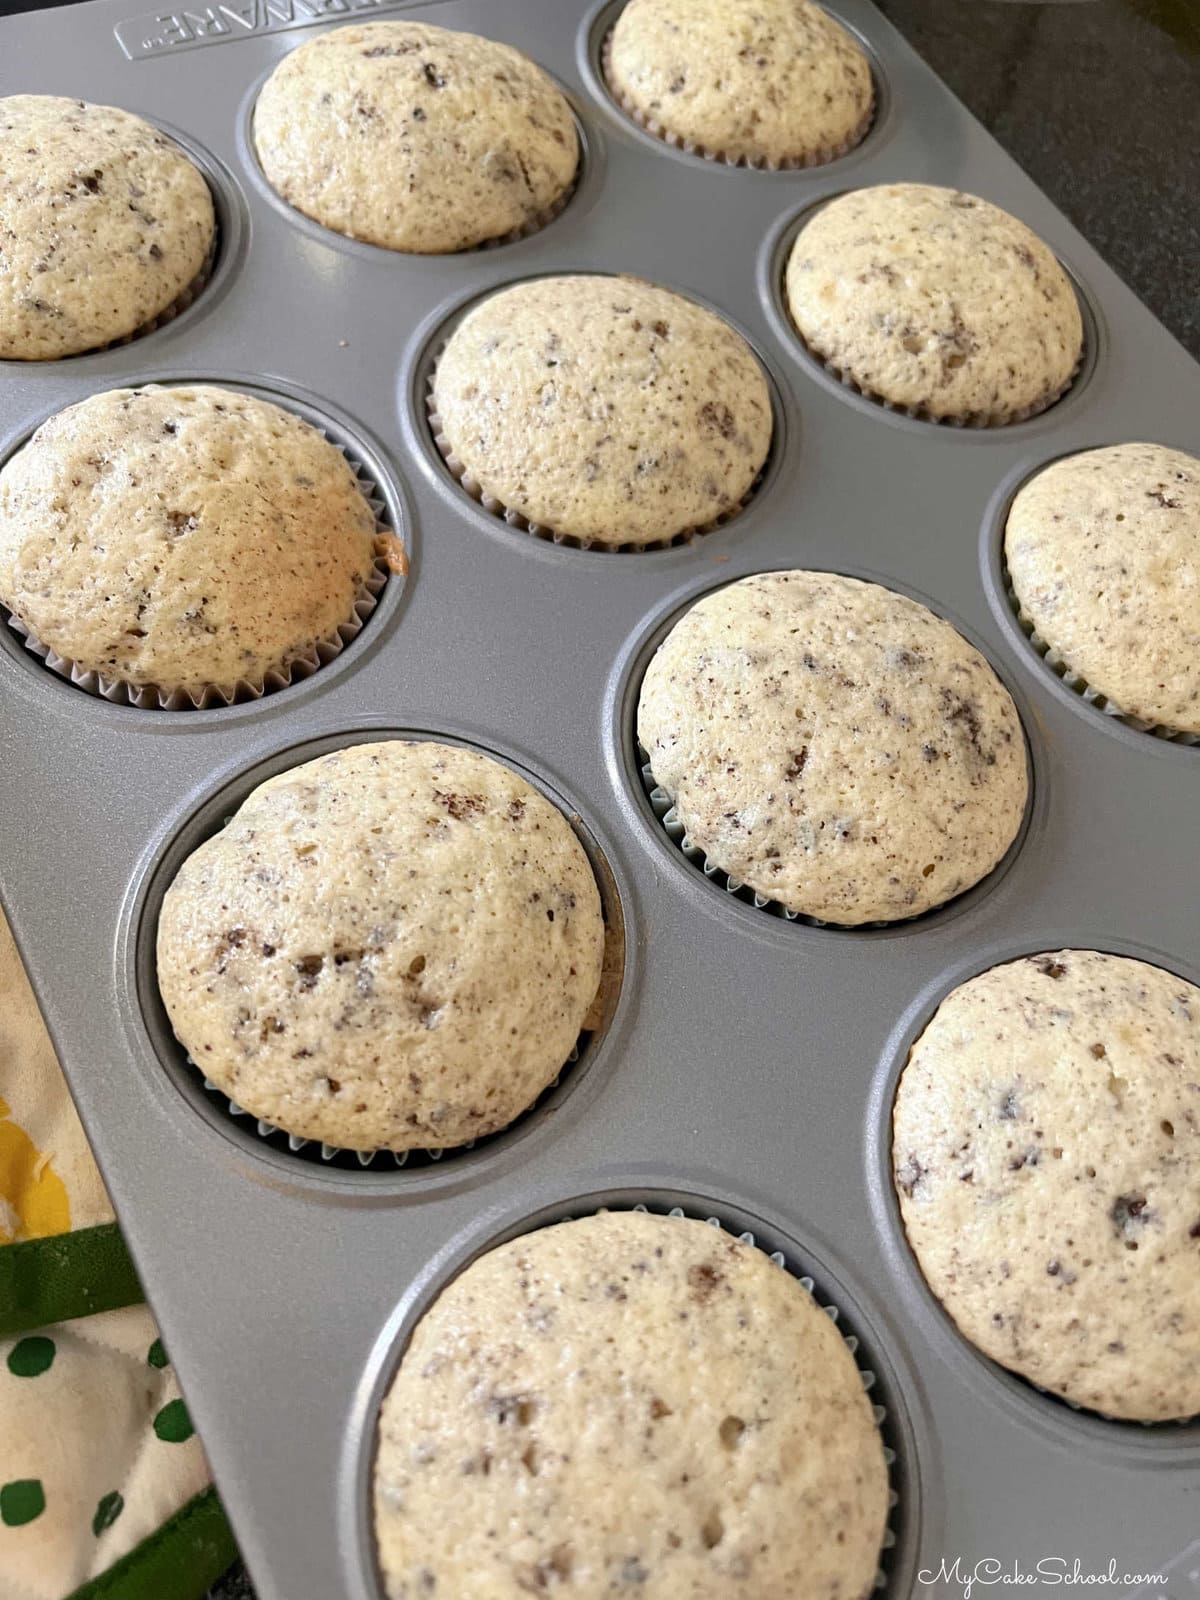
x=49 y=1182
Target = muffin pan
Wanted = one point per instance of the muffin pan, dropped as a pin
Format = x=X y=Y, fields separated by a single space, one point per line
x=746 y=1065
x=239 y=1125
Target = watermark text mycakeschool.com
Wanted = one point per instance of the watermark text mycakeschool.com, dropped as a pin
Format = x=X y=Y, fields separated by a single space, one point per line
x=1050 y=1571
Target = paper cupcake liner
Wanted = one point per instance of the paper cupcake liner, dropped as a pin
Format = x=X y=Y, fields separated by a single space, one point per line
x=664 y=809
x=537 y=223
x=815 y=158
x=313 y=1150
x=295 y=669
x=970 y=419
x=496 y=508
x=1075 y=681
x=1166 y=1425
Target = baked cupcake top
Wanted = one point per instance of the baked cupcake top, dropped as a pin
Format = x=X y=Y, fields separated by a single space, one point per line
x=1047 y=1160
x=181 y=537
x=834 y=745
x=655 y=1406
x=391 y=947
x=765 y=82
x=935 y=300
x=604 y=409
x=1103 y=549
x=414 y=137
x=104 y=222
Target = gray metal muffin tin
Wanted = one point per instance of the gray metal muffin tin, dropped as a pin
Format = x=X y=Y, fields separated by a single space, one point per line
x=747 y=1070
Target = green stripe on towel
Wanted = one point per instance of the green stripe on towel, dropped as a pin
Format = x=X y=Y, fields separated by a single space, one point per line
x=179 y=1562
x=43 y=1281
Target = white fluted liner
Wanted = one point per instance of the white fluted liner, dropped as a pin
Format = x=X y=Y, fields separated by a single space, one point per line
x=380 y=1160
x=664 y=809
x=1074 y=680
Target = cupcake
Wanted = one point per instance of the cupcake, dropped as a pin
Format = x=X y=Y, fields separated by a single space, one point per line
x=1047 y=1159
x=603 y=410
x=391 y=947
x=764 y=83
x=936 y=302
x=628 y=1404
x=416 y=138
x=184 y=543
x=107 y=226
x=834 y=746
x=1103 y=552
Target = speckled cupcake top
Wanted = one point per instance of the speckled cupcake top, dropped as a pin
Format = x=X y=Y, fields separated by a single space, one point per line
x=834 y=745
x=1103 y=550
x=760 y=81
x=1047 y=1159
x=104 y=222
x=391 y=947
x=628 y=1404
x=414 y=137
x=181 y=537
x=604 y=408
x=935 y=300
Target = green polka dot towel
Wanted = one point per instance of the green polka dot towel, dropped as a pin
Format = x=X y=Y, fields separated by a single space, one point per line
x=99 y=1453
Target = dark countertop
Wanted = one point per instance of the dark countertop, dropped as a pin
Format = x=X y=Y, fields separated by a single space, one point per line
x=1099 y=100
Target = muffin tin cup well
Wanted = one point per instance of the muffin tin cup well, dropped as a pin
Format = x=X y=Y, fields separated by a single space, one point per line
x=999 y=583
x=471 y=486
x=380 y=1160
x=264 y=1137
x=776 y=257
x=319 y=230
x=1170 y=1444
x=221 y=259
x=391 y=564
x=662 y=808
x=897 y=1552
x=802 y=163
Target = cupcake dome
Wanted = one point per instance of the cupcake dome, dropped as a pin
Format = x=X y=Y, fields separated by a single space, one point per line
x=1103 y=550
x=414 y=137
x=657 y=1408
x=1047 y=1162
x=834 y=745
x=391 y=947
x=937 y=301
x=105 y=222
x=182 y=538
x=770 y=83
x=603 y=409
